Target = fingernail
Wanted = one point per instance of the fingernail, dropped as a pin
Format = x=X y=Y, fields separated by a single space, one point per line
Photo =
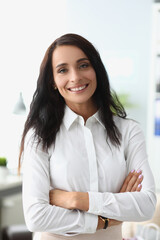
x=140 y=176
x=138 y=171
x=139 y=185
x=132 y=171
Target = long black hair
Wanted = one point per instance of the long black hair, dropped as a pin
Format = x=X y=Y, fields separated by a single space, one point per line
x=47 y=107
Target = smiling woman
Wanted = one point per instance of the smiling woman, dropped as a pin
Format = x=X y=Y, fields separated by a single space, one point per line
x=83 y=160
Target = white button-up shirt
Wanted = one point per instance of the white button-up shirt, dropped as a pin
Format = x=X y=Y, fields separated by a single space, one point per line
x=83 y=159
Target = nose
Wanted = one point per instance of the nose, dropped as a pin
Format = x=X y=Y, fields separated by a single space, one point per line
x=74 y=75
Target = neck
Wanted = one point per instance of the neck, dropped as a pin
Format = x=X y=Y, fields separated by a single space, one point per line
x=85 y=111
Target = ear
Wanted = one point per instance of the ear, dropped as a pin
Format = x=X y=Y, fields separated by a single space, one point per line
x=54 y=86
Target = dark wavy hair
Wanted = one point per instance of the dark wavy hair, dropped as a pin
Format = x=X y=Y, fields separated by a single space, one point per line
x=47 y=107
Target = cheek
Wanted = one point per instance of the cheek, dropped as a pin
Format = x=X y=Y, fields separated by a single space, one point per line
x=94 y=79
x=60 y=83
x=61 y=90
x=92 y=76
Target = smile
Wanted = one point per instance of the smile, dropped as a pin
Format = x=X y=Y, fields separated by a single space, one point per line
x=77 y=89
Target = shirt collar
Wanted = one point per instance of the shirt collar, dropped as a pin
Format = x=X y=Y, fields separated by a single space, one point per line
x=97 y=117
x=70 y=117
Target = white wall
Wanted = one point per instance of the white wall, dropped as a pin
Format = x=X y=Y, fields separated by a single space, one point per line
x=27 y=29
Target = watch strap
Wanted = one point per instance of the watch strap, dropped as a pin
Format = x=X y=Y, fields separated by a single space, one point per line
x=105 y=220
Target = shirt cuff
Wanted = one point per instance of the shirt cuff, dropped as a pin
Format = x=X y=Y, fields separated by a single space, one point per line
x=95 y=203
x=103 y=204
x=91 y=222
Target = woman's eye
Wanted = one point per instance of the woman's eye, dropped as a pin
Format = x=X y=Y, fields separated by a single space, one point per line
x=62 y=70
x=84 y=65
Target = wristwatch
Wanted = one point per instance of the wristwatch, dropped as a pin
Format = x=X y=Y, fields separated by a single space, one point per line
x=105 y=220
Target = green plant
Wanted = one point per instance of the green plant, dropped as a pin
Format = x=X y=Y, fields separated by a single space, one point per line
x=3 y=161
x=124 y=98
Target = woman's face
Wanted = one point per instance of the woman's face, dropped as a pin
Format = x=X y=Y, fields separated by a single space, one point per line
x=74 y=75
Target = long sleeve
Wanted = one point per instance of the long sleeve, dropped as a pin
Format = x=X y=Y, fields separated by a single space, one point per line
x=129 y=206
x=40 y=216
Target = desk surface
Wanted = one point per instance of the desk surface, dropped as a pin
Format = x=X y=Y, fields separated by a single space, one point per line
x=11 y=184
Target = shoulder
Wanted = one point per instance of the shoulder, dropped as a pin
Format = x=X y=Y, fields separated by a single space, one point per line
x=31 y=138
x=33 y=142
x=127 y=126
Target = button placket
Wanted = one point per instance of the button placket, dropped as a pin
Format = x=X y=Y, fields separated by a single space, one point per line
x=92 y=159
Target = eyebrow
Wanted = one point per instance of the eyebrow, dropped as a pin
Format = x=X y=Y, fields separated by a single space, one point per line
x=64 y=64
x=82 y=59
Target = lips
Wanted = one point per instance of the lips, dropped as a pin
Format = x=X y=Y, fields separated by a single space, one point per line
x=77 y=89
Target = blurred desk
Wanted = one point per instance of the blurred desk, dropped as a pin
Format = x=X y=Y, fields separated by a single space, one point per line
x=12 y=184
x=9 y=185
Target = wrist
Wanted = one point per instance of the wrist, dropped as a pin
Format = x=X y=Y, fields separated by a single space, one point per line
x=74 y=203
x=100 y=223
x=81 y=201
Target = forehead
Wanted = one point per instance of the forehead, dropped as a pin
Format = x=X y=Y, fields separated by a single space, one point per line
x=66 y=54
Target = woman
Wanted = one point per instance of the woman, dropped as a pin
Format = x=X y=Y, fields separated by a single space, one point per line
x=78 y=150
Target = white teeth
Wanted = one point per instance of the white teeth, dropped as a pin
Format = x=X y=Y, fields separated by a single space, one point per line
x=78 y=89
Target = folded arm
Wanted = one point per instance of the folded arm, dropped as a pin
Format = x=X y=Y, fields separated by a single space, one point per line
x=80 y=200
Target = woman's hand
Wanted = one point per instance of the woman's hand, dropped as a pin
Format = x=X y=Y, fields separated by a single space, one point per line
x=133 y=181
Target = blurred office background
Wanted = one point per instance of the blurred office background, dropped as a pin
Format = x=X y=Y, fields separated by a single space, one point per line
x=125 y=33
